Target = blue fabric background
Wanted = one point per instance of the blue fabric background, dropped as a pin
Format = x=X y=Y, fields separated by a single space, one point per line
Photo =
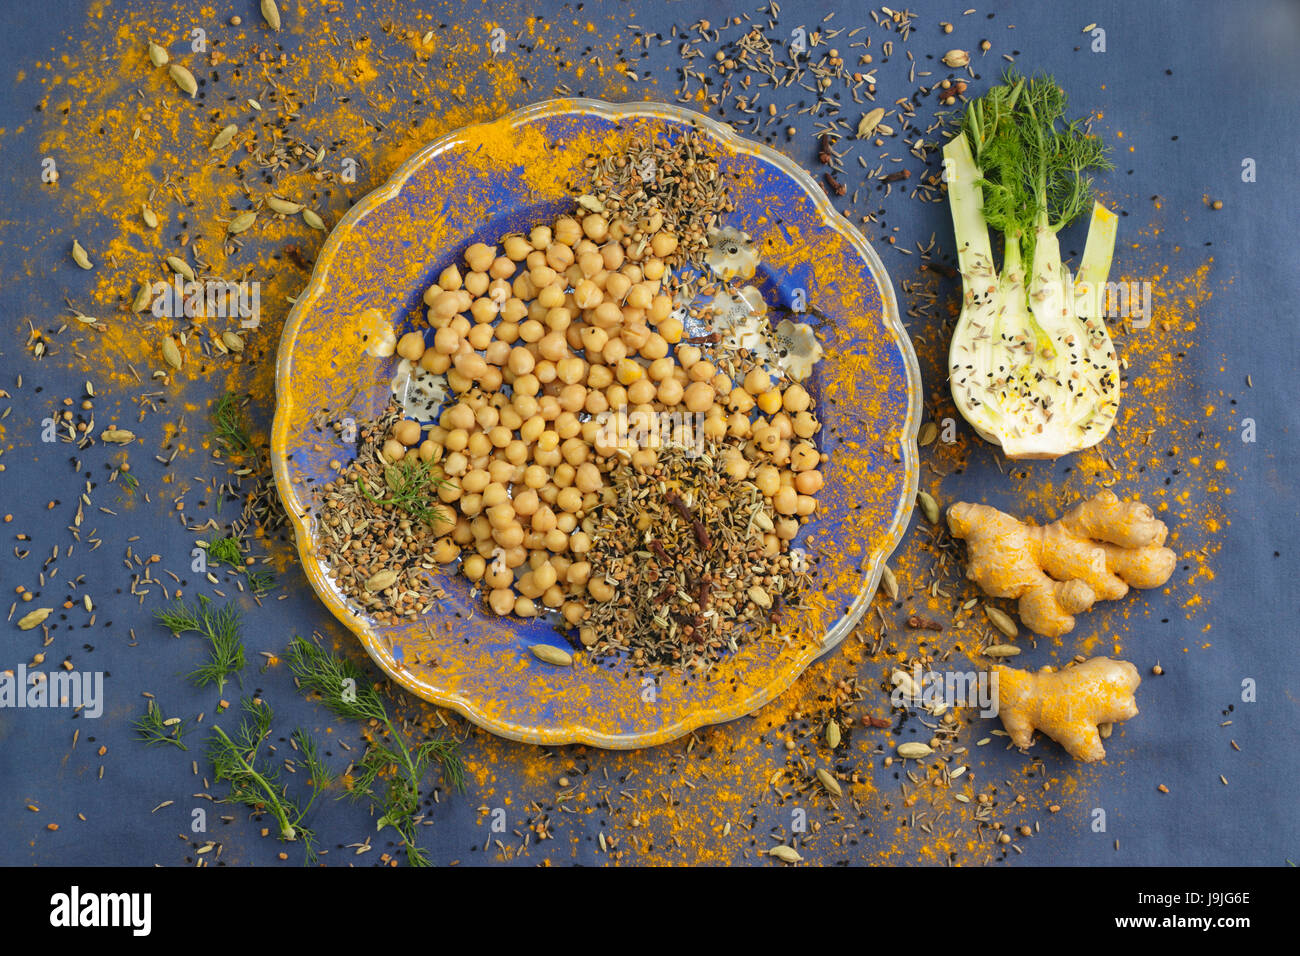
x=1232 y=94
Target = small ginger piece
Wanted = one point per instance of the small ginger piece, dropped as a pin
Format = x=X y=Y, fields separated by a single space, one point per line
x=1099 y=549
x=1068 y=705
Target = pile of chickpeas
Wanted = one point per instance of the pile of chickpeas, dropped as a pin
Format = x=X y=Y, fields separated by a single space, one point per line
x=538 y=337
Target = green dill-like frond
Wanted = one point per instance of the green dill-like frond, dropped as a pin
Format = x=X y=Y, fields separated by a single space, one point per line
x=1034 y=164
x=412 y=487
x=260 y=582
x=343 y=687
x=153 y=728
x=388 y=773
x=227 y=551
x=221 y=626
x=254 y=779
x=229 y=426
x=448 y=754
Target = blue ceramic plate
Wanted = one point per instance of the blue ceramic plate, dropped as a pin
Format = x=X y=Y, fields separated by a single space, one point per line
x=482 y=181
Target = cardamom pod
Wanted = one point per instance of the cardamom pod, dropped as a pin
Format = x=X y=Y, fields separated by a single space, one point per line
x=242 y=223
x=786 y=854
x=117 y=436
x=1001 y=620
x=914 y=750
x=283 y=206
x=271 y=13
x=929 y=432
x=310 y=218
x=956 y=59
x=80 y=256
x=157 y=55
x=829 y=782
x=232 y=341
x=149 y=216
x=552 y=654
x=223 y=138
x=929 y=507
x=1001 y=650
x=32 y=618
x=381 y=580
x=142 y=298
x=832 y=734
x=180 y=267
x=870 y=122
x=171 y=353
x=889 y=582
x=184 y=79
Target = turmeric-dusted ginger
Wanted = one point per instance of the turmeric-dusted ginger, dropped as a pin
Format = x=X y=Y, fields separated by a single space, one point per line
x=1099 y=549
x=1067 y=705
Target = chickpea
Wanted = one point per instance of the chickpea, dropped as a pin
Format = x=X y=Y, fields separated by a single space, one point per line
x=501 y=600
x=566 y=231
x=479 y=445
x=785 y=500
x=476 y=283
x=446 y=341
x=473 y=567
x=804 y=457
x=479 y=256
x=540 y=237
x=767 y=438
x=559 y=258
x=503 y=267
x=757 y=381
x=663 y=244
x=475 y=480
x=767 y=479
x=698 y=396
x=769 y=401
x=411 y=346
x=594 y=339
x=407 y=432
x=434 y=362
x=701 y=371
x=393 y=450
x=617 y=286
x=599 y=589
x=516 y=247
x=448 y=280
x=596 y=227
x=670 y=329
x=808 y=482
x=570 y=370
x=714 y=427
x=511 y=536
x=656 y=346
x=670 y=391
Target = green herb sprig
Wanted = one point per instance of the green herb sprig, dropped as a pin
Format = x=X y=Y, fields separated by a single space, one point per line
x=412 y=487
x=345 y=690
x=255 y=780
x=228 y=551
x=153 y=728
x=1035 y=164
x=221 y=626
x=229 y=427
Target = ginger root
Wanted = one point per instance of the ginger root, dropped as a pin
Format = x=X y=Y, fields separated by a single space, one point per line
x=1067 y=705
x=1094 y=553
